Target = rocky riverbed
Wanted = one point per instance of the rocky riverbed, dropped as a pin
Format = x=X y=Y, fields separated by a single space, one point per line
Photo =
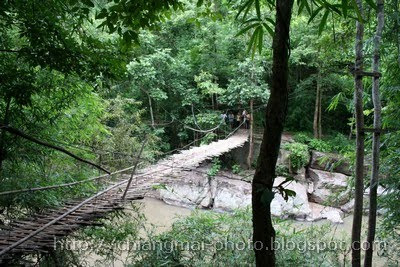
x=321 y=188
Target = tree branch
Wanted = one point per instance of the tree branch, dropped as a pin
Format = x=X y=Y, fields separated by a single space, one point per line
x=380 y=130
x=9 y=51
x=40 y=142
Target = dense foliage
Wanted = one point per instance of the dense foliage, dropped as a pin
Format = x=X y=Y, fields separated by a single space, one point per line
x=97 y=77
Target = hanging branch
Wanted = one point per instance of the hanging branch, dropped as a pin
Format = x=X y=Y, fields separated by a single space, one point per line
x=40 y=142
x=194 y=119
x=134 y=168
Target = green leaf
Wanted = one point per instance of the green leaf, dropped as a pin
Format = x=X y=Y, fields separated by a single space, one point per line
x=252 y=20
x=307 y=6
x=290 y=193
x=243 y=7
x=323 y=22
x=159 y=186
x=260 y=40
x=269 y=29
x=270 y=21
x=359 y=17
x=242 y=31
x=246 y=11
x=301 y=7
x=345 y=7
x=102 y=14
x=252 y=44
x=88 y=3
x=257 y=5
x=315 y=13
x=372 y=4
x=200 y=3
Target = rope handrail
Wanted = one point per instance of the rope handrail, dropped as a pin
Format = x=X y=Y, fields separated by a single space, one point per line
x=40 y=229
x=63 y=185
x=27 y=190
x=205 y=131
x=235 y=130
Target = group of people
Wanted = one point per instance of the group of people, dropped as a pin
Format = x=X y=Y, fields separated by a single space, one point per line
x=237 y=119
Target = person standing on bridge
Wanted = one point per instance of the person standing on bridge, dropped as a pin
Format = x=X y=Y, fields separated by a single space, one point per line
x=238 y=120
x=244 y=118
x=248 y=118
x=231 y=119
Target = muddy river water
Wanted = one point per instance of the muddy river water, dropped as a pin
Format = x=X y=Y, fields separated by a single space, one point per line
x=161 y=216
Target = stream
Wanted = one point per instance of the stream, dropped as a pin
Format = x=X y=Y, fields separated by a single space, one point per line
x=163 y=215
x=160 y=216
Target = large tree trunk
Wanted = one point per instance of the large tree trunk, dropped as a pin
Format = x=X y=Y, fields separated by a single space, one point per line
x=376 y=136
x=263 y=230
x=251 y=136
x=359 y=176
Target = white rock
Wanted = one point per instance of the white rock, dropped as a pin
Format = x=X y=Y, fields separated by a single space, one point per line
x=297 y=206
x=381 y=191
x=283 y=157
x=319 y=212
x=310 y=188
x=224 y=194
x=330 y=162
x=231 y=194
x=328 y=187
x=348 y=207
x=301 y=175
x=193 y=191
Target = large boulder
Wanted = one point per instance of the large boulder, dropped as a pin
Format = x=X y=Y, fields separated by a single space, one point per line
x=328 y=188
x=283 y=157
x=226 y=194
x=330 y=162
x=231 y=194
x=296 y=206
x=349 y=206
x=301 y=175
x=319 y=212
x=186 y=194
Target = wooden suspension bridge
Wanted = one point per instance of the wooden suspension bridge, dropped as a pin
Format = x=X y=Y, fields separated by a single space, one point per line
x=37 y=233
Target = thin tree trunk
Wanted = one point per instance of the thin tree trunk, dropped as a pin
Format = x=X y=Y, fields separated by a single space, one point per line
x=251 y=137
x=317 y=128
x=316 y=110
x=320 y=109
x=263 y=230
x=397 y=23
x=3 y=132
x=151 y=111
x=376 y=136
x=359 y=175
